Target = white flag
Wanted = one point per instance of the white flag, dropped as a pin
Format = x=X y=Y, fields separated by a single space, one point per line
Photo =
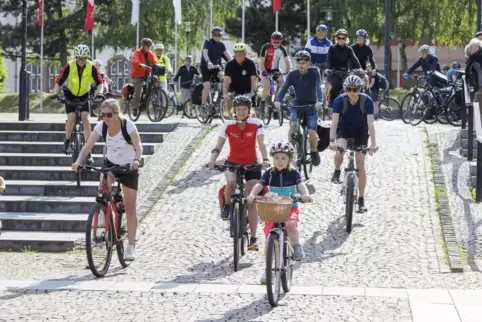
x=135 y=12
x=177 y=10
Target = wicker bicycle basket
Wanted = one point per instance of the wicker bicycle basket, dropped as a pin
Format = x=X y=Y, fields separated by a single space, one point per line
x=277 y=211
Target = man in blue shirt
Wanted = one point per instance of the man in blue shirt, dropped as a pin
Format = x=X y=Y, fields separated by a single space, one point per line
x=318 y=47
x=306 y=83
x=427 y=61
x=353 y=118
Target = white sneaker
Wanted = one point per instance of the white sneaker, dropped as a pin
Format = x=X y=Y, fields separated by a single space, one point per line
x=263 y=278
x=129 y=253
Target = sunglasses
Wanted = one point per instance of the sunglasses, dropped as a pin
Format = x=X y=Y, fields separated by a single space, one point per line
x=81 y=59
x=217 y=35
x=341 y=38
x=107 y=115
x=353 y=89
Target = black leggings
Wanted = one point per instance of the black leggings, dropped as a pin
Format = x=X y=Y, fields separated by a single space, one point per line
x=336 y=86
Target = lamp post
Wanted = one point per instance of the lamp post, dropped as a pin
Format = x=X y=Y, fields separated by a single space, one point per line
x=387 y=42
x=188 y=30
x=329 y=18
x=22 y=108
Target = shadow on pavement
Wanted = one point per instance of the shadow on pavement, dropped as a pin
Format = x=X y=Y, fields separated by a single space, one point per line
x=250 y=312
x=195 y=179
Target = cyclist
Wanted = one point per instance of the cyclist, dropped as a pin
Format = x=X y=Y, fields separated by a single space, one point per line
x=453 y=73
x=163 y=60
x=79 y=74
x=242 y=133
x=213 y=50
x=376 y=83
x=269 y=62
x=186 y=72
x=353 y=118
x=239 y=75
x=363 y=52
x=318 y=47
x=107 y=80
x=142 y=59
x=339 y=58
x=283 y=180
x=478 y=35
x=427 y=61
x=123 y=147
x=307 y=86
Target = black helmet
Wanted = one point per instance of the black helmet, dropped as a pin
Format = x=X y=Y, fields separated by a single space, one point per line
x=445 y=67
x=146 y=42
x=242 y=100
x=277 y=35
x=342 y=32
x=217 y=31
x=302 y=55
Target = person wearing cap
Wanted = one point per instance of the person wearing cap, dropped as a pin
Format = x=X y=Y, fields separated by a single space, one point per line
x=163 y=60
x=318 y=47
x=98 y=63
x=427 y=61
x=186 y=73
x=478 y=35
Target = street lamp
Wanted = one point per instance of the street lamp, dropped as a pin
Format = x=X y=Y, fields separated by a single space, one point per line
x=329 y=17
x=188 y=30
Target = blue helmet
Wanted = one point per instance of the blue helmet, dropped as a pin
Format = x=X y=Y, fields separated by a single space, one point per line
x=362 y=33
x=424 y=49
x=456 y=65
x=321 y=28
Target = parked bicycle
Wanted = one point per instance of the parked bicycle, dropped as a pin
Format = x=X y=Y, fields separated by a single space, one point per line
x=215 y=104
x=389 y=107
x=173 y=105
x=412 y=96
x=300 y=142
x=238 y=210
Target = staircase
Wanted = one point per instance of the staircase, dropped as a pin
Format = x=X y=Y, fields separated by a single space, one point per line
x=42 y=209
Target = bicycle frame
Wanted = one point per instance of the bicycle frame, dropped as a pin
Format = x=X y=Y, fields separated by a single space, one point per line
x=107 y=199
x=350 y=174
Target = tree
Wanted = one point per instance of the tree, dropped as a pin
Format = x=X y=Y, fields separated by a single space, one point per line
x=3 y=71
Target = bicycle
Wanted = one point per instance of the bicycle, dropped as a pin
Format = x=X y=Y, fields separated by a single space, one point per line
x=388 y=106
x=279 y=249
x=152 y=94
x=267 y=112
x=108 y=212
x=411 y=97
x=349 y=188
x=300 y=142
x=174 y=106
x=215 y=107
x=238 y=210
x=94 y=107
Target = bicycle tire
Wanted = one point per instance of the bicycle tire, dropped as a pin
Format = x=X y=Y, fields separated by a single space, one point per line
x=349 y=202
x=121 y=236
x=287 y=273
x=159 y=96
x=454 y=117
x=418 y=104
x=202 y=113
x=220 y=108
x=390 y=110
x=126 y=107
x=272 y=251
x=236 y=230
x=298 y=153
x=280 y=116
x=245 y=234
x=267 y=113
x=171 y=107
x=75 y=155
x=130 y=111
x=307 y=165
x=109 y=240
x=187 y=109
x=405 y=106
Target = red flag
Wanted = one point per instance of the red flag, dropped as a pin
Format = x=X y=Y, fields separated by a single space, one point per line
x=40 y=14
x=89 y=16
x=276 y=5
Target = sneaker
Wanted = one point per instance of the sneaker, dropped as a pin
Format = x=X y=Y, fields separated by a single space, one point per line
x=90 y=159
x=298 y=252
x=66 y=145
x=315 y=158
x=253 y=244
x=262 y=280
x=225 y=213
x=129 y=253
x=361 y=205
x=336 y=176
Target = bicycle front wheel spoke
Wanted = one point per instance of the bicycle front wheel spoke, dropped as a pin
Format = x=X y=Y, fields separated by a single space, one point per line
x=99 y=240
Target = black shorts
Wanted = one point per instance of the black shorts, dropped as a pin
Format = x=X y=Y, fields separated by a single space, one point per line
x=71 y=108
x=128 y=179
x=360 y=136
x=250 y=175
x=208 y=73
x=241 y=91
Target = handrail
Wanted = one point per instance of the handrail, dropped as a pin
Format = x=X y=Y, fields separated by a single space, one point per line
x=470 y=120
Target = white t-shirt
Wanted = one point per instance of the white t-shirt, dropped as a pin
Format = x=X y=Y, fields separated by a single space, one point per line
x=118 y=150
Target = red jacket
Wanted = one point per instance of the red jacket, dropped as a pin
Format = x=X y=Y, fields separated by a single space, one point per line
x=139 y=58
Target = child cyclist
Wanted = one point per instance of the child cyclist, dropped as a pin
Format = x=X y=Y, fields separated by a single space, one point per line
x=285 y=181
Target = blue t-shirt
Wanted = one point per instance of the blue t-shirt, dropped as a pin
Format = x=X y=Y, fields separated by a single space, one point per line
x=353 y=119
x=450 y=74
x=307 y=87
x=215 y=52
x=282 y=182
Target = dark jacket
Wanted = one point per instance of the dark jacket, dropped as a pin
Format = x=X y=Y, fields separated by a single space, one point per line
x=341 y=57
x=186 y=75
x=429 y=64
x=473 y=69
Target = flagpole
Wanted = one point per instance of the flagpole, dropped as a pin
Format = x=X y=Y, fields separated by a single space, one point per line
x=42 y=60
x=308 y=20
x=138 y=21
x=276 y=28
x=93 y=48
x=242 y=21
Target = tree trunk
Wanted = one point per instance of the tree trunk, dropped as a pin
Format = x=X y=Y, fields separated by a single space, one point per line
x=403 y=56
x=62 y=44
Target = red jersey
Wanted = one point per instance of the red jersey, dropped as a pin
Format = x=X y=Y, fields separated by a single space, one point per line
x=272 y=56
x=242 y=144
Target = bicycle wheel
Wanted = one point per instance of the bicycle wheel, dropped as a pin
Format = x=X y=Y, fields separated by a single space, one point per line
x=307 y=164
x=133 y=115
x=75 y=154
x=126 y=107
x=407 y=101
x=298 y=153
x=349 y=202
x=236 y=213
x=187 y=109
x=280 y=116
x=158 y=101
x=97 y=236
x=202 y=113
x=121 y=239
x=94 y=110
x=287 y=274
x=171 y=106
x=418 y=110
x=273 y=270
x=245 y=233
x=220 y=110
x=266 y=113
x=389 y=108
x=454 y=113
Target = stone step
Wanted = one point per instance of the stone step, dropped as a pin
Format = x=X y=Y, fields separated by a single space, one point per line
x=46 y=159
x=57 y=147
x=465 y=144
x=50 y=188
x=473 y=181
x=44 y=173
x=43 y=241
x=32 y=221
x=464 y=153
x=46 y=204
x=59 y=136
x=60 y=126
x=473 y=168
x=464 y=133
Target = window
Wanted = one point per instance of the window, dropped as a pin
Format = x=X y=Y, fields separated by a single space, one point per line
x=120 y=83
x=126 y=80
x=51 y=70
x=120 y=69
x=34 y=69
x=51 y=83
x=38 y=84
x=33 y=83
x=113 y=69
x=126 y=67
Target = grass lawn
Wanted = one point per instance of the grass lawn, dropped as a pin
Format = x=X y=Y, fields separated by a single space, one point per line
x=399 y=93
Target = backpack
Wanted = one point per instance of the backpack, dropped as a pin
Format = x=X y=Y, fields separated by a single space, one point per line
x=362 y=100
x=126 y=135
x=382 y=82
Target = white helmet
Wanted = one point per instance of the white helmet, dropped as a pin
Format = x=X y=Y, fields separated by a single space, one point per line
x=82 y=51
x=284 y=147
x=98 y=62
x=353 y=81
x=158 y=46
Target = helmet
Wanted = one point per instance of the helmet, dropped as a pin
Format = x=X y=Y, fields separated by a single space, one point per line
x=240 y=47
x=479 y=33
x=361 y=33
x=353 y=81
x=277 y=35
x=217 y=30
x=98 y=62
x=158 y=46
x=456 y=65
x=303 y=55
x=321 y=28
x=82 y=51
x=445 y=67
x=242 y=100
x=341 y=32
x=283 y=147
x=146 y=42
x=188 y=57
x=424 y=49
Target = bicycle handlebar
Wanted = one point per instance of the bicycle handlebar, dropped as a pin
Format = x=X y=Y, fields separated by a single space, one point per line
x=116 y=168
x=66 y=101
x=296 y=198
x=361 y=148
x=239 y=167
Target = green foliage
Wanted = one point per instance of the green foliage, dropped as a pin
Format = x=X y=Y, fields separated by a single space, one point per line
x=3 y=71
